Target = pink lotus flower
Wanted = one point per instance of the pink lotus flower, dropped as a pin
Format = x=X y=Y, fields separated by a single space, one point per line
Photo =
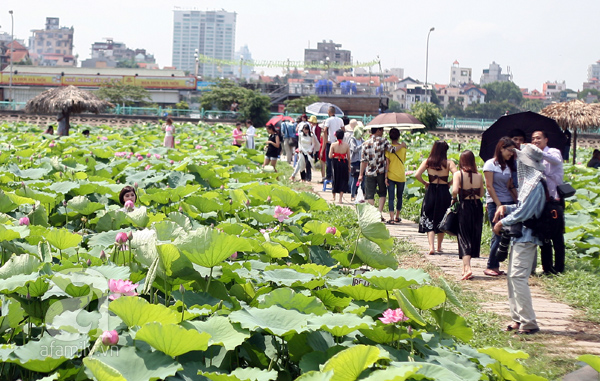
x=234 y=255
x=104 y=138
x=282 y=213
x=157 y=156
x=393 y=316
x=331 y=230
x=120 y=287
x=51 y=145
x=129 y=205
x=147 y=167
x=110 y=337
x=171 y=162
x=148 y=154
x=24 y=221
x=140 y=158
x=198 y=147
x=177 y=141
x=121 y=237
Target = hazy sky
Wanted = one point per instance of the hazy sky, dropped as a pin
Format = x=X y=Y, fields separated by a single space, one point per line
x=538 y=40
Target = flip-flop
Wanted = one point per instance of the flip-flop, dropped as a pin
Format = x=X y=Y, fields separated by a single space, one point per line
x=390 y=222
x=398 y=220
x=490 y=272
x=501 y=272
x=512 y=327
x=467 y=276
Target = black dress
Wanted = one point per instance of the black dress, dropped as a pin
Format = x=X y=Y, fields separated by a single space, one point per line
x=437 y=199
x=341 y=173
x=470 y=222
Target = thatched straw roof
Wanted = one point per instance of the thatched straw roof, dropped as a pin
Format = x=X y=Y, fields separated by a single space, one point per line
x=69 y=99
x=574 y=114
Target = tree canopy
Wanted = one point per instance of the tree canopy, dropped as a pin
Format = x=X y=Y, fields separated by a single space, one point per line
x=428 y=113
x=119 y=93
x=298 y=105
x=503 y=91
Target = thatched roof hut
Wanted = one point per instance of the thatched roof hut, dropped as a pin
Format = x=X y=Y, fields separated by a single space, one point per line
x=70 y=99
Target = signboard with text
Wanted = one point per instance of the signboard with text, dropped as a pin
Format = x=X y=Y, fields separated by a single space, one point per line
x=148 y=82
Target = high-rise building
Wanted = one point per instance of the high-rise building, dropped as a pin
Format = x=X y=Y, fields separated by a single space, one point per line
x=459 y=76
x=52 y=46
x=245 y=68
x=494 y=74
x=212 y=33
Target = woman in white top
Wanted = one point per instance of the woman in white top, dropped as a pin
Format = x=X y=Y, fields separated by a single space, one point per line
x=306 y=147
x=169 y=131
x=250 y=133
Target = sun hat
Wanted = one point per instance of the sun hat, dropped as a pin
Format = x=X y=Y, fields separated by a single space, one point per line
x=530 y=169
x=313 y=119
x=531 y=156
x=359 y=131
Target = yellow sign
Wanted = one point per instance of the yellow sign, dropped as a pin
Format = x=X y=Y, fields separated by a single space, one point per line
x=32 y=79
x=89 y=80
x=165 y=82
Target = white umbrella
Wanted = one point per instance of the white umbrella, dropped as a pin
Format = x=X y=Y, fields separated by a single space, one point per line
x=322 y=108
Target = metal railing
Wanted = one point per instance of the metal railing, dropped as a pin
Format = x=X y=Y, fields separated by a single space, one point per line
x=465 y=123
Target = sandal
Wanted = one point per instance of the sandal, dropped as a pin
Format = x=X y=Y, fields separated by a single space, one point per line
x=398 y=219
x=390 y=222
x=512 y=327
x=501 y=272
x=531 y=331
x=467 y=276
x=490 y=272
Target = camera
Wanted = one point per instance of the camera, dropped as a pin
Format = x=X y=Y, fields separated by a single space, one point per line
x=503 y=246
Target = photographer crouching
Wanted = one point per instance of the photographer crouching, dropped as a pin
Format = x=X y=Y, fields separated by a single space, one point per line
x=531 y=200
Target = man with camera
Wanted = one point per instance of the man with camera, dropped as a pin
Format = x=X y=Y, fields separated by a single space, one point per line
x=531 y=200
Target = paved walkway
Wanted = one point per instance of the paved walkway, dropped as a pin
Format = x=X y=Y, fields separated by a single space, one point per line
x=559 y=327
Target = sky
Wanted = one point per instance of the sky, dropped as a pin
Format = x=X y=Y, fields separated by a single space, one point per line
x=549 y=40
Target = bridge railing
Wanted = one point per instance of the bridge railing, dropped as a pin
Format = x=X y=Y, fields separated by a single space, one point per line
x=465 y=123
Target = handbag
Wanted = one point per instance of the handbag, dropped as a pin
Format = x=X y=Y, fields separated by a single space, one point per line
x=360 y=196
x=565 y=191
x=449 y=223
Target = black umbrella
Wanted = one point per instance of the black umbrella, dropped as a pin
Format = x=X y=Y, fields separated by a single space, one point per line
x=527 y=121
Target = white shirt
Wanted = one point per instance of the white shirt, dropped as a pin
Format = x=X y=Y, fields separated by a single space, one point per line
x=553 y=161
x=250 y=131
x=333 y=123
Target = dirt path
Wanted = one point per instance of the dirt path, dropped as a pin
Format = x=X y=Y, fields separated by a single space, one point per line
x=561 y=330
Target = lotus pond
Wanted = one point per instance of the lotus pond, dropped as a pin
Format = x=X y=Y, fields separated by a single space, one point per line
x=218 y=272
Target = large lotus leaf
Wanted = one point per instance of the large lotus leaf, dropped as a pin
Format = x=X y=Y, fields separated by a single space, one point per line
x=449 y=293
x=591 y=360
x=340 y=324
x=6 y=203
x=389 y=279
x=39 y=216
x=31 y=173
x=47 y=354
x=314 y=202
x=162 y=196
x=382 y=333
x=8 y=234
x=288 y=241
x=409 y=310
x=23 y=264
x=330 y=300
x=178 y=179
x=274 y=250
x=425 y=297
x=370 y=253
x=398 y=372
x=320 y=227
x=453 y=324
x=43 y=197
x=172 y=339
x=63 y=239
x=242 y=374
x=203 y=204
x=130 y=364
x=286 y=277
x=137 y=311
x=274 y=319
x=35 y=289
x=285 y=197
x=139 y=217
x=63 y=187
x=369 y=221
x=207 y=247
x=12 y=314
x=362 y=292
x=103 y=240
x=508 y=357
x=167 y=230
x=350 y=363
x=221 y=331
x=112 y=220
x=314 y=375
x=288 y=299
x=181 y=220
x=82 y=205
x=263 y=216
x=430 y=371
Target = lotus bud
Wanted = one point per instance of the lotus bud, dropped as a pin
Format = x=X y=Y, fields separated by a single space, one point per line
x=110 y=337
x=212 y=226
x=230 y=202
x=181 y=288
x=89 y=262
x=180 y=209
x=331 y=230
x=268 y=199
x=135 y=185
x=130 y=235
x=247 y=202
x=65 y=203
x=409 y=330
x=222 y=187
x=102 y=255
x=87 y=160
x=60 y=174
x=51 y=145
x=24 y=221
x=23 y=184
x=121 y=237
x=234 y=255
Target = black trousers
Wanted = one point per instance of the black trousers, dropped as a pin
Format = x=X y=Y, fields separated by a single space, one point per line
x=558 y=243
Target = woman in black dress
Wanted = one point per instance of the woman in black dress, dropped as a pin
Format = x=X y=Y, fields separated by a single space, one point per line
x=468 y=186
x=340 y=155
x=437 y=195
x=272 y=148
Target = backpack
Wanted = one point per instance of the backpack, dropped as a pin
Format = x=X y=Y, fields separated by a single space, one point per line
x=551 y=222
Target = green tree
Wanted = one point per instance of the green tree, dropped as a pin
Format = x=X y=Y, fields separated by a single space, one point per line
x=492 y=110
x=298 y=105
x=119 y=93
x=255 y=106
x=395 y=106
x=454 y=109
x=182 y=105
x=535 y=105
x=130 y=63
x=584 y=93
x=428 y=113
x=503 y=91
x=222 y=94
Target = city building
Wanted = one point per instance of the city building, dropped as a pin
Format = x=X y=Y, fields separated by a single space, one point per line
x=211 y=34
x=327 y=53
x=460 y=76
x=109 y=53
x=594 y=71
x=52 y=46
x=534 y=94
x=244 y=56
x=553 y=89
x=494 y=74
x=473 y=95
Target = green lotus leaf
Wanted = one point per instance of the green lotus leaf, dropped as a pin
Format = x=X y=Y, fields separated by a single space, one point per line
x=313 y=201
x=398 y=372
x=288 y=241
x=274 y=319
x=288 y=299
x=242 y=374
x=591 y=360
x=340 y=324
x=453 y=324
x=172 y=339
x=8 y=234
x=12 y=315
x=31 y=173
x=203 y=204
x=11 y=284
x=284 y=197
x=82 y=205
x=46 y=354
x=389 y=279
x=139 y=217
x=23 y=264
x=130 y=364
x=63 y=187
x=167 y=230
x=369 y=222
x=50 y=199
x=221 y=331
x=39 y=216
x=370 y=253
x=207 y=247
x=286 y=277
x=330 y=300
x=137 y=311
x=274 y=250
x=382 y=333
x=508 y=357
x=425 y=297
x=63 y=239
x=449 y=293
x=6 y=203
x=264 y=216
x=178 y=179
x=112 y=220
x=409 y=310
x=351 y=362
x=362 y=292
x=35 y=289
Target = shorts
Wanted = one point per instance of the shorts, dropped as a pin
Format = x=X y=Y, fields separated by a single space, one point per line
x=271 y=158
x=375 y=182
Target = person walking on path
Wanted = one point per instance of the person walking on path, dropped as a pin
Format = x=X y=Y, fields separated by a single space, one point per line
x=250 y=134
x=290 y=140
x=437 y=195
x=372 y=167
x=355 y=151
x=467 y=186
x=340 y=157
x=306 y=148
x=500 y=191
x=331 y=126
x=169 y=141
x=395 y=176
x=531 y=200
x=553 y=164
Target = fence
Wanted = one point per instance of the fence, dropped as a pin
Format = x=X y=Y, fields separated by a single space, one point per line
x=462 y=124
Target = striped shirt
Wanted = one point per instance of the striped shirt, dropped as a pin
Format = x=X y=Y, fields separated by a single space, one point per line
x=532 y=206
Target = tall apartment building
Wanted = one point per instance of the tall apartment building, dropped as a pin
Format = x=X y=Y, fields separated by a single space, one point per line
x=494 y=74
x=245 y=70
x=212 y=33
x=460 y=76
x=52 y=46
x=328 y=52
